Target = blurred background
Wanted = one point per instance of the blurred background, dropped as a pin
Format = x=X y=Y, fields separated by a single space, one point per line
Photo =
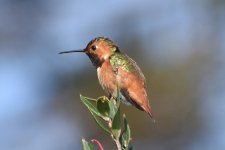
x=179 y=45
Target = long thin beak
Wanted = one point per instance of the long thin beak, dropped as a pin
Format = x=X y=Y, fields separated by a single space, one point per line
x=72 y=51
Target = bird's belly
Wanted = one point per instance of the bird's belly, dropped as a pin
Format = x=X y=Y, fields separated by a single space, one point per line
x=124 y=100
x=122 y=97
x=108 y=81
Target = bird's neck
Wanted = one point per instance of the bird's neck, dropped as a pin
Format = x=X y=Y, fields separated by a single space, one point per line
x=96 y=61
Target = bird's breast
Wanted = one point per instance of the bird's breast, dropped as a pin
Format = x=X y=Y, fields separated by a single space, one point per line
x=107 y=77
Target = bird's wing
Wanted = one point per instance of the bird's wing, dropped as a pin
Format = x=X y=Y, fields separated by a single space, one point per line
x=133 y=85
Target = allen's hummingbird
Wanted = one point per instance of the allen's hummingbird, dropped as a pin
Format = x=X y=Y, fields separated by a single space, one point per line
x=115 y=68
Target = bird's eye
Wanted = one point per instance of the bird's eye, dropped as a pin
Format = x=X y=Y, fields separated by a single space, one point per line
x=94 y=47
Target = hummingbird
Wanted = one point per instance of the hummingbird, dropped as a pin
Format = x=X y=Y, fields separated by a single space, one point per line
x=116 y=69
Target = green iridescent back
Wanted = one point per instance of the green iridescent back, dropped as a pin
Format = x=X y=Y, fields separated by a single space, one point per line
x=121 y=60
x=118 y=59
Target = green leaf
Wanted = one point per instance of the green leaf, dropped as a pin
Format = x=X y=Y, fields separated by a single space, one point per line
x=112 y=108
x=87 y=145
x=91 y=99
x=115 y=115
x=116 y=124
x=117 y=91
x=103 y=106
x=95 y=113
x=117 y=95
x=100 y=124
x=92 y=107
x=116 y=121
x=126 y=136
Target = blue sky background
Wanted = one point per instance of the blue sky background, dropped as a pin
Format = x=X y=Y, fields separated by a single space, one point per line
x=178 y=44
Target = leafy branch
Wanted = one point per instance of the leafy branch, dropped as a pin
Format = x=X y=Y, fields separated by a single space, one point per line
x=106 y=113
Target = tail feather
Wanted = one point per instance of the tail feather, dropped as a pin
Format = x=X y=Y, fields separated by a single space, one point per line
x=149 y=111
x=151 y=116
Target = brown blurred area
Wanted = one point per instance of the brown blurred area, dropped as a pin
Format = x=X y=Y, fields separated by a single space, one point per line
x=178 y=45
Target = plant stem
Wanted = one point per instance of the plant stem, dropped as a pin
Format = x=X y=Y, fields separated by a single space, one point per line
x=118 y=144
